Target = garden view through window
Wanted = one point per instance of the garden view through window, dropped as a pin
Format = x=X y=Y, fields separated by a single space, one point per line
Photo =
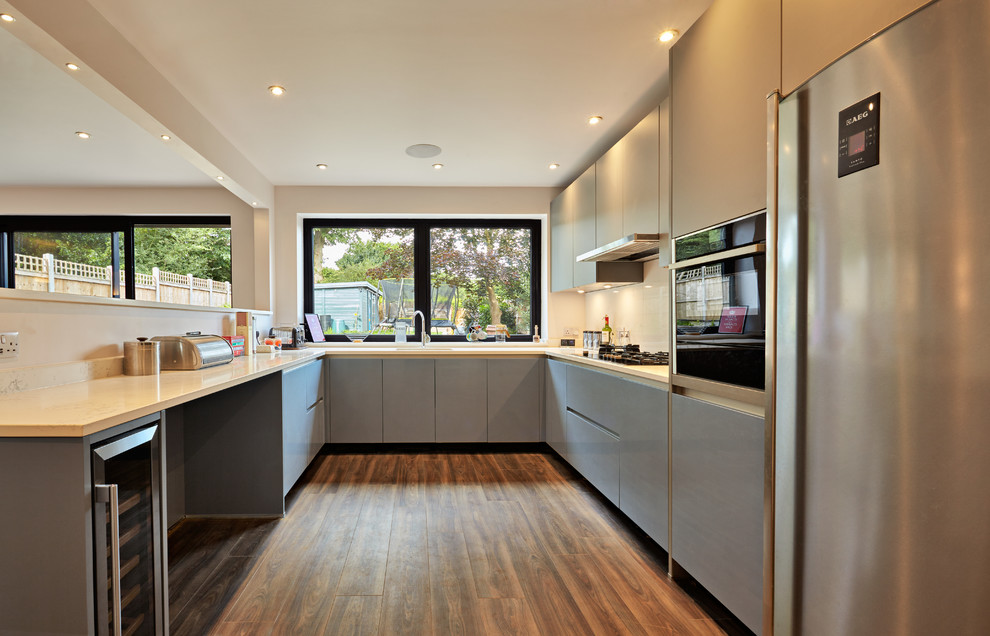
x=369 y=279
x=184 y=263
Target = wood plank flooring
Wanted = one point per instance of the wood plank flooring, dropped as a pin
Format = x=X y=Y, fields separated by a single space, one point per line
x=432 y=543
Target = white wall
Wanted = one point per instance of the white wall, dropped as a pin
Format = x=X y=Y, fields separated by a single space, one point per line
x=62 y=328
x=293 y=204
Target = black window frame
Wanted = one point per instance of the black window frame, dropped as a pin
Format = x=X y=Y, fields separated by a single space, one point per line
x=113 y=225
x=421 y=263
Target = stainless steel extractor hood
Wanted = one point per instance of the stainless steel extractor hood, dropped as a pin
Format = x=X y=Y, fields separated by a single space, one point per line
x=609 y=275
x=634 y=248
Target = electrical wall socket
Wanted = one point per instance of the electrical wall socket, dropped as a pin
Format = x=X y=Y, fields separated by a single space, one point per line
x=570 y=331
x=9 y=345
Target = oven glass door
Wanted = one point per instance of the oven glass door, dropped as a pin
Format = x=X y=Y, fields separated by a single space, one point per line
x=720 y=315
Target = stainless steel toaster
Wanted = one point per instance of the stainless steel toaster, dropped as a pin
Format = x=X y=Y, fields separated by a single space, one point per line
x=193 y=351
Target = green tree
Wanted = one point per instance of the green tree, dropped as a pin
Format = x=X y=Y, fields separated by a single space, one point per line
x=203 y=252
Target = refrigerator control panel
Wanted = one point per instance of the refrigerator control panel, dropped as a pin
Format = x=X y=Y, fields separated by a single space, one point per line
x=859 y=136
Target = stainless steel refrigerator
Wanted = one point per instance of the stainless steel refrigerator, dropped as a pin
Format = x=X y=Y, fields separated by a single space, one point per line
x=882 y=366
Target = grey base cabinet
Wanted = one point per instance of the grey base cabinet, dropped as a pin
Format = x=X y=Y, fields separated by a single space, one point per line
x=408 y=400
x=556 y=406
x=49 y=535
x=303 y=420
x=643 y=458
x=462 y=410
x=355 y=401
x=717 y=503
x=629 y=449
x=514 y=404
x=594 y=452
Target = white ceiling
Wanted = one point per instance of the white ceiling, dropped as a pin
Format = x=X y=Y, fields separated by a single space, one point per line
x=505 y=88
x=41 y=109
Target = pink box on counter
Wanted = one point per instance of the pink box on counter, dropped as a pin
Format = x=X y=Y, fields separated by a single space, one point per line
x=236 y=343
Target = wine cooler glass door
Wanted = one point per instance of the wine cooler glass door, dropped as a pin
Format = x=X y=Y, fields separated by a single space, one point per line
x=128 y=532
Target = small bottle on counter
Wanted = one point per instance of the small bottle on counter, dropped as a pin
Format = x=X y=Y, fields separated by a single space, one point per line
x=606 y=332
x=536 y=333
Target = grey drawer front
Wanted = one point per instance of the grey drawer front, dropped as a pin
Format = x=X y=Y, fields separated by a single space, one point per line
x=594 y=452
x=643 y=442
x=717 y=503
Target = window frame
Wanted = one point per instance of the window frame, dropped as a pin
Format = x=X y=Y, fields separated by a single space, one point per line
x=421 y=264
x=113 y=225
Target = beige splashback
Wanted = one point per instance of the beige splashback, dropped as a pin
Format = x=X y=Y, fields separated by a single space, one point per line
x=56 y=328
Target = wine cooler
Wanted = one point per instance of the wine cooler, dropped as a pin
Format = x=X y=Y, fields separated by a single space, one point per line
x=129 y=535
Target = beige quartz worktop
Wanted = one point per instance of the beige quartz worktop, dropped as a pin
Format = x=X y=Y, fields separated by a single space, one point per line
x=82 y=408
x=77 y=409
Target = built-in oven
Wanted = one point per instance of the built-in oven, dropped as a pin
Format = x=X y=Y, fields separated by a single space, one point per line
x=719 y=313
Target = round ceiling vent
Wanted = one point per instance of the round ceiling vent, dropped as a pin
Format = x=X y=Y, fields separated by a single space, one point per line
x=423 y=151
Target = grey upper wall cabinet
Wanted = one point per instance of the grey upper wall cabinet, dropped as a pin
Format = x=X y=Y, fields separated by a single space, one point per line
x=584 y=225
x=608 y=193
x=815 y=34
x=562 y=240
x=641 y=175
x=721 y=71
x=627 y=182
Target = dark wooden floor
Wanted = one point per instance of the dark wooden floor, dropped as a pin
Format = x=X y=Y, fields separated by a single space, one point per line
x=434 y=543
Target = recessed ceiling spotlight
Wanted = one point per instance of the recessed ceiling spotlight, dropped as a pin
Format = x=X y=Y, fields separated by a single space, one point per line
x=7 y=18
x=254 y=203
x=594 y=119
x=608 y=287
x=438 y=166
x=580 y=291
x=165 y=137
x=668 y=35
x=276 y=90
x=82 y=135
x=554 y=166
x=219 y=177
x=423 y=151
x=321 y=166
x=72 y=66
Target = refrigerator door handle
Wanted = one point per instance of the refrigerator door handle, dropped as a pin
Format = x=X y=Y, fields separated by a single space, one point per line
x=769 y=447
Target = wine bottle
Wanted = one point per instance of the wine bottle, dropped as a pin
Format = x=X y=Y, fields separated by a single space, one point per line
x=606 y=332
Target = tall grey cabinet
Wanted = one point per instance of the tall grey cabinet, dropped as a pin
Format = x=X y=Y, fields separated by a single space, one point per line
x=720 y=76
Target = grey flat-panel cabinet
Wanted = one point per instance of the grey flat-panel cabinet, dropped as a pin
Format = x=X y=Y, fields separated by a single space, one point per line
x=408 y=400
x=642 y=429
x=303 y=427
x=556 y=405
x=594 y=452
x=636 y=416
x=815 y=34
x=562 y=240
x=720 y=78
x=641 y=177
x=462 y=408
x=609 y=177
x=584 y=225
x=717 y=502
x=355 y=401
x=514 y=399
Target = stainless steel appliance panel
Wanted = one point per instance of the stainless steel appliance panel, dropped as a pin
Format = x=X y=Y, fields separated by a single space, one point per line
x=883 y=367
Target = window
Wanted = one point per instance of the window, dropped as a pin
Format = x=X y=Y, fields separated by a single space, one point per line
x=184 y=260
x=367 y=278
